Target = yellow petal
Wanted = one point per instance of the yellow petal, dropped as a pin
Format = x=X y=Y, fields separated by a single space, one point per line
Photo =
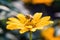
x=43 y=24
x=33 y=29
x=21 y=17
x=12 y=27
x=51 y=22
x=29 y=27
x=40 y=28
x=23 y=30
x=10 y=22
x=26 y=22
x=46 y=18
x=36 y=17
x=15 y=20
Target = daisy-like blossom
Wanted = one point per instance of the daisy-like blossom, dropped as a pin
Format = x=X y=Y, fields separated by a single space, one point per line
x=25 y=24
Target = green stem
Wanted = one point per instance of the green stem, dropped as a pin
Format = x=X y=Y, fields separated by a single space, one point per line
x=30 y=35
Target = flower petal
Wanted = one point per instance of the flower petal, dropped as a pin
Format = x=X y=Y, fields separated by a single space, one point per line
x=43 y=24
x=21 y=17
x=10 y=22
x=33 y=29
x=36 y=17
x=12 y=27
x=29 y=27
x=15 y=20
x=40 y=28
x=51 y=22
x=46 y=18
x=23 y=30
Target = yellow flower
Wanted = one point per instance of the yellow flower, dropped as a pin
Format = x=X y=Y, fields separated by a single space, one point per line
x=46 y=2
x=25 y=24
x=48 y=34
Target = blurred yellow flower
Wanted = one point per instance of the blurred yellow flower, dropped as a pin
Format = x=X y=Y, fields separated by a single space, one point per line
x=46 y=2
x=25 y=24
x=48 y=34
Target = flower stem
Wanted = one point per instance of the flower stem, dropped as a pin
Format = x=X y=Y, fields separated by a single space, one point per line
x=30 y=35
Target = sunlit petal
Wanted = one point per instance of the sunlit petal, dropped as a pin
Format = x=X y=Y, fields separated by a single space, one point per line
x=12 y=27
x=29 y=27
x=12 y=19
x=46 y=18
x=41 y=25
x=21 y=17
x=23 y=31
x=33 y=29
x=36 y=17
